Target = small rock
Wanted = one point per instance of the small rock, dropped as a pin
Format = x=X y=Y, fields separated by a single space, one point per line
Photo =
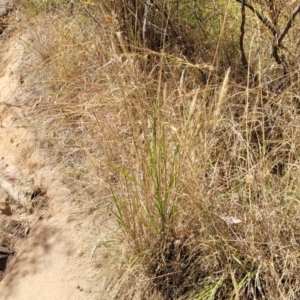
x=4 y=250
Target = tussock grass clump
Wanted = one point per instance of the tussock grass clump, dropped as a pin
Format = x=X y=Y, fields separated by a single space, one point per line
x=199 y=157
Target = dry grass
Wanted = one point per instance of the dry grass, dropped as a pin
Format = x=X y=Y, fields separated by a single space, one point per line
x=198 y=162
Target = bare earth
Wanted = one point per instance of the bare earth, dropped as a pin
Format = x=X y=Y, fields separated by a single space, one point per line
x=45 y=232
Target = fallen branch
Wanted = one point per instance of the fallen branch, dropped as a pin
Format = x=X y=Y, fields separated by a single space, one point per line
x=263 y=19
x=244 y=59
x=278 y=35
x=288 y=24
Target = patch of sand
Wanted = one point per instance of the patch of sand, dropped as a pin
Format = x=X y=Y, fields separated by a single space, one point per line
x=45 y=233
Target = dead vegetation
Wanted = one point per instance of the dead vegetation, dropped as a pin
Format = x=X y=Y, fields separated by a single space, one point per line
x=194 y=150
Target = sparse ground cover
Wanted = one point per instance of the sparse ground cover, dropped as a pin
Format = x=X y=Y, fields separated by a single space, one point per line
x=177 y=126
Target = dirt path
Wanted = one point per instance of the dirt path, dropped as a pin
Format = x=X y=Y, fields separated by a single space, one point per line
x=44 y=231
